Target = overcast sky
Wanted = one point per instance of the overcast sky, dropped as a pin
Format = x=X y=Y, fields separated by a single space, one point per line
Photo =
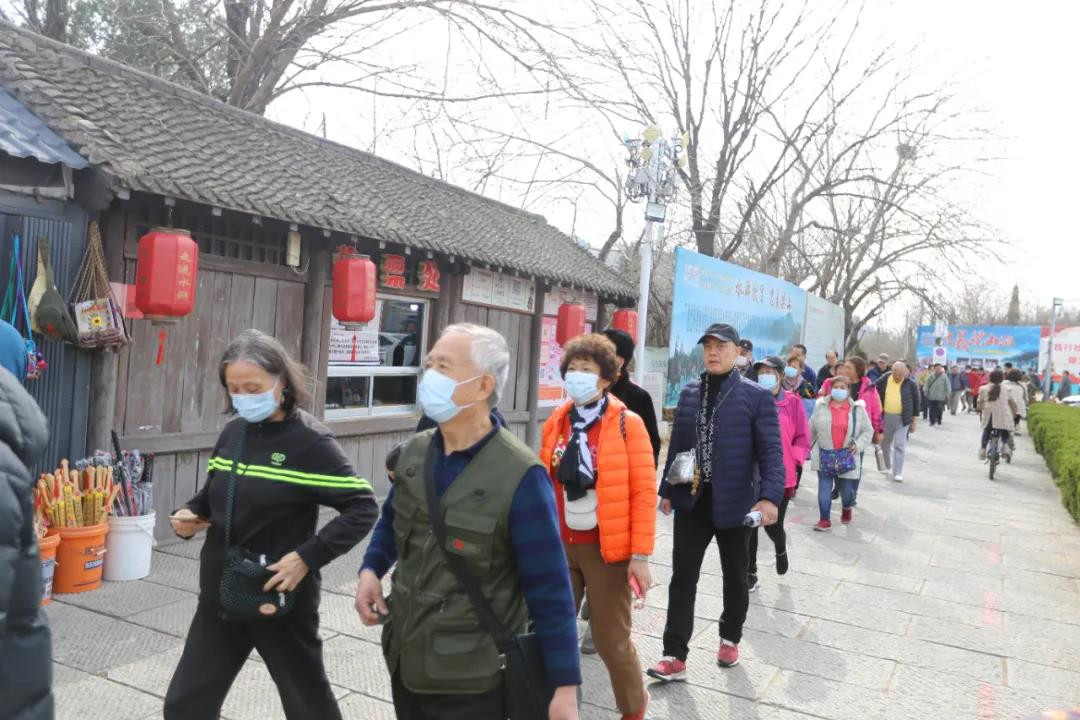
x=1017 y=62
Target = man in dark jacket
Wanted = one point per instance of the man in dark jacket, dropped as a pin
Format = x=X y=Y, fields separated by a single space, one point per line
x=729 y=425
x=828 y=370
x=25 y=643
x=900 y=406
x=636 y=398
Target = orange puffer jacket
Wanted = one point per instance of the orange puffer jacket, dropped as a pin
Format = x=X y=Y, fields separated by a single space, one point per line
x=625 y=479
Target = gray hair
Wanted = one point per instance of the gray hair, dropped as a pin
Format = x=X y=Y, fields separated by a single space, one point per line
x=266 y=351
x=489 y=353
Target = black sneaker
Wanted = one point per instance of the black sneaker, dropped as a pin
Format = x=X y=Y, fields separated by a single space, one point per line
x=781 y=563
x=836 y=493
x=753 y=582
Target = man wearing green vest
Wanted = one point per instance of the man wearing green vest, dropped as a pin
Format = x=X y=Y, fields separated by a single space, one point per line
x=500 y=518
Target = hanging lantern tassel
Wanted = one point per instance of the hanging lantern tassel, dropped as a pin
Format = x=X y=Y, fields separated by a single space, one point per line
x=160 y=347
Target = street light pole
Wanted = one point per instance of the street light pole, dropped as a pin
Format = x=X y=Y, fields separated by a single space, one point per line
x=1048 y=380
x=652 y=177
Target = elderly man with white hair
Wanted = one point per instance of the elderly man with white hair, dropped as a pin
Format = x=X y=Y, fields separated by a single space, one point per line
x=900 y=406
x=501 y=530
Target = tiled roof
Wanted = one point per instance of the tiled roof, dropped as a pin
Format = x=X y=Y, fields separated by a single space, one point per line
x=158 y=137
x=23 y=135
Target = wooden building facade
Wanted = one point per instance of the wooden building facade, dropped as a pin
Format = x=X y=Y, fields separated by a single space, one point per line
x=245 y=187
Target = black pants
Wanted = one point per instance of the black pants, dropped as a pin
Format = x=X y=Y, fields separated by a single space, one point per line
x=1006 y=436
x=776 y=534
x=936 y=408
x=409 y=705
x=694 y=531
x=216 y=649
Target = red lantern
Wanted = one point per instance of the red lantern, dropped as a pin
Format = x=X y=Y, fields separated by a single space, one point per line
x=625 y=320
x=571 y=322
x=354 y=288
x=165 y=277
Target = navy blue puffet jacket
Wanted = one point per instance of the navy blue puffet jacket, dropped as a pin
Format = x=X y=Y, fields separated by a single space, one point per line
x=746 y=438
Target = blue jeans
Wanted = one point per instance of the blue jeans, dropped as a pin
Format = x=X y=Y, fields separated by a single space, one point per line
x=824 y=493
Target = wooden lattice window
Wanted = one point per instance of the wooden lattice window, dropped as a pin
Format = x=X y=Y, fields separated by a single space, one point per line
x=230 y=235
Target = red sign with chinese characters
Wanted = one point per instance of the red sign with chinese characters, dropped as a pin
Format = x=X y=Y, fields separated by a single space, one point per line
x=429 y=276
x=392 y=271
x=168 y=263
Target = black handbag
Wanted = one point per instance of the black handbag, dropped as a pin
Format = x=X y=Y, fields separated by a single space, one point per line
x=243 y=572
x=525 y=683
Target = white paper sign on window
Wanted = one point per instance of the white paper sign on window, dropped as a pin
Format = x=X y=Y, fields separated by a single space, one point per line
x=354 y=347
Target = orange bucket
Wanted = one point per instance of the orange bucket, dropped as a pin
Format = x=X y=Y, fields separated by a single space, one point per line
x=47 y=551
x=79 y=559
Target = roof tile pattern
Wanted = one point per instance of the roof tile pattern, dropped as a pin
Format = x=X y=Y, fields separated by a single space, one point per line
x=154 y=136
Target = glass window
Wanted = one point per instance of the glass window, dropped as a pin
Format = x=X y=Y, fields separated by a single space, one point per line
x=374 y=368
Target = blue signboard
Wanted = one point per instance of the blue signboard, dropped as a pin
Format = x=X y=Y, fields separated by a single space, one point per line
x=768 y=311
x=986 y=346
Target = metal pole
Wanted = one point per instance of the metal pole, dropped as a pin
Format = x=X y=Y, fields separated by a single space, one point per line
x=1048 y=380
x=643 y=301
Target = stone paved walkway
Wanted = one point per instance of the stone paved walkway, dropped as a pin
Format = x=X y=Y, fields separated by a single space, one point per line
x=949 y=597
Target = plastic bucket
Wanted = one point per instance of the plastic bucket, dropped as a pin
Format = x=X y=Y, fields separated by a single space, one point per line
x=47 y=551
x=79 y=559
x=129 y=547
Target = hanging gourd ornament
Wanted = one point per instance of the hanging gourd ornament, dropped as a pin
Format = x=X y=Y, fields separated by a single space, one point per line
x=354 y=288
x=166 y=274
x=571 y=322
x=625 y=320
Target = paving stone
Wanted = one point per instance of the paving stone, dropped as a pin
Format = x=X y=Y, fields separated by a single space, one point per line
x=183 y=548
x=123 y=599
x=859 y=574
x=357 y=665
x=81 y=696
x=1041 y=679
x=95 y=643
x=906 y=650
x=913 y=690
x=919 y=605
x=825 y=698
x=362 y=707
x=173 y=619
x=338 y=614
x=175 y=571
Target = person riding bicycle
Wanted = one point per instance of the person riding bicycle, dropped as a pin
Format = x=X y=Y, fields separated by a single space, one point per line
x=997 y=408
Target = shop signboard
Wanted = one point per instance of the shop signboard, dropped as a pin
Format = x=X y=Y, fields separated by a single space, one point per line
x=506 y=292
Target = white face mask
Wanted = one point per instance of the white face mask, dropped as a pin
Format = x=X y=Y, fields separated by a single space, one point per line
x=742 y=361
x=581 y=386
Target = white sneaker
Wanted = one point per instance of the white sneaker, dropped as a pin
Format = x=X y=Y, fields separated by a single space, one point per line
x=897 y=478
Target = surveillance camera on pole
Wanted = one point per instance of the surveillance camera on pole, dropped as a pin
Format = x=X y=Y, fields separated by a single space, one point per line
x=653 y=177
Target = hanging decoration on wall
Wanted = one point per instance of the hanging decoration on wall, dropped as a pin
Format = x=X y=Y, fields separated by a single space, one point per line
x=625 y=320
x=393 y=271
x=429 y=276
x=98 y=316
x=49 y=313
x=14 y=311
x=166 y=274
x=571 y=322
x=354 y=287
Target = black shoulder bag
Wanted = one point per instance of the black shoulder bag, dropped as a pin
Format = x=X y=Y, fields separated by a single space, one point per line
x=244 y=573
x=525 y=684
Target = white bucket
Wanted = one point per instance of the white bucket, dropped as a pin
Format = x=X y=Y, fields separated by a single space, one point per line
x=129 y=547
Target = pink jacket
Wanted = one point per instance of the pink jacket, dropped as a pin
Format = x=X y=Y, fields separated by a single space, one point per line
x=794 y=433
x=868 y=394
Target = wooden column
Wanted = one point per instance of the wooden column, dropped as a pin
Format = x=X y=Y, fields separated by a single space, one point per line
x=601 y=315
x=536 y=329
x=104 y=364
x=311 y=336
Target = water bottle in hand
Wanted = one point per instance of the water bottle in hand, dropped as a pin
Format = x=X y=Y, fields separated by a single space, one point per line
x=752 y=519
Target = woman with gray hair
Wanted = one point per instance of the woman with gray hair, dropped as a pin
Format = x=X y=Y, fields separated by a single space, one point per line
x=271 y=469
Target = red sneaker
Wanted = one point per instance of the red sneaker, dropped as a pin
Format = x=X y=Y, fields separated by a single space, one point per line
x=668 y=669
x=640 y=714
x=845 y=515
x=823 y=525
x=728 y=655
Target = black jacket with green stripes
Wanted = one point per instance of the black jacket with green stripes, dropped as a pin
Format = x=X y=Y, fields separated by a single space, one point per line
x=286 y=470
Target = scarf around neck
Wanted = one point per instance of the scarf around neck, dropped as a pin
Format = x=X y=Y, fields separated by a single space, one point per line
x=576 y=471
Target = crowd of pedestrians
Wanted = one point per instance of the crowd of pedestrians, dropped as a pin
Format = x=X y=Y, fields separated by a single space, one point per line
x=484 y=553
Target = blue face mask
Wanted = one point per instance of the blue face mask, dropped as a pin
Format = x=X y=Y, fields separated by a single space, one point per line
x=791 y=372
x=767 y=381
x=839 y=395
x=436 y=396
x=581 y=386
x=255 y=407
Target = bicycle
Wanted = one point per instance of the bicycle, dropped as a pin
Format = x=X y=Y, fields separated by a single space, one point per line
x=995 y=451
